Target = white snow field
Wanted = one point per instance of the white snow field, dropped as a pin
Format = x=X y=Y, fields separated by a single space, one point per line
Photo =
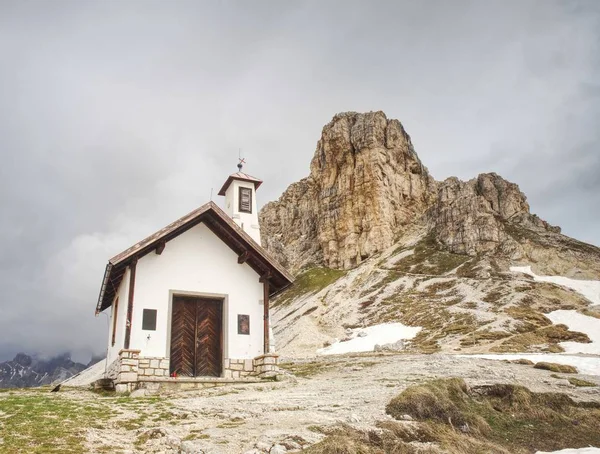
x=582 y=323
x=589 y=365
x=588 y=289
x=573 y=451
x=366 y=338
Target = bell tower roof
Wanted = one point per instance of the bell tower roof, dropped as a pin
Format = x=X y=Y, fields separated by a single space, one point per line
x=242 y=177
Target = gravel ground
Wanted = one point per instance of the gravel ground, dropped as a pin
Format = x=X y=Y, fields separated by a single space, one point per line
x=352 y=389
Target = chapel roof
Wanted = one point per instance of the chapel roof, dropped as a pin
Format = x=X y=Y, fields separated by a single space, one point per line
x=242 y=177
x=222 y=226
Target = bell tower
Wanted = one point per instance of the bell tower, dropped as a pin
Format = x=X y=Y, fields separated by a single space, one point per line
x=240 y=201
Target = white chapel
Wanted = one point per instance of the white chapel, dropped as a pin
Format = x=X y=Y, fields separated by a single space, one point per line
x=191 y=301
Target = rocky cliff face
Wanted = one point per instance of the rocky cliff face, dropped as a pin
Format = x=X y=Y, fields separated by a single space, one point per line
x=471 y=217
x=367 y=187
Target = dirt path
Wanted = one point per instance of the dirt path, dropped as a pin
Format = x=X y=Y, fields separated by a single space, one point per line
x=343 y=389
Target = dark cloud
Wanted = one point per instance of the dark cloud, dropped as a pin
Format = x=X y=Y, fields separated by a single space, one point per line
x=116 y=118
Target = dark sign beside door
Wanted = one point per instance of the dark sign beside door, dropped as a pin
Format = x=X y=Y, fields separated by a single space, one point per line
x=243 y=324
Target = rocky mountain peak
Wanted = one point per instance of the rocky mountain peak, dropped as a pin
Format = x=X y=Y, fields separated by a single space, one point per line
x=367 y=188
x=23 y=359
x=26 y=371
x=472 y=217
x=366 y=185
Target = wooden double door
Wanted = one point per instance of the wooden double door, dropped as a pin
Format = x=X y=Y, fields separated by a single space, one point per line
x=196 y=336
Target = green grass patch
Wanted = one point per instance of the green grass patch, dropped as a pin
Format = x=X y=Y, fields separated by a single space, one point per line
x=429 y=259
x=530 y=318
x=486 y=335
x=43 y=422
x=581 y=383
x=308 y=282
x=417 y=309
x=306 y=369
x=548 y=336
x=555 y=367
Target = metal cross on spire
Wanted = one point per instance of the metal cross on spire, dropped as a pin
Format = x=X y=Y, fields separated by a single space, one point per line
x=241 y=163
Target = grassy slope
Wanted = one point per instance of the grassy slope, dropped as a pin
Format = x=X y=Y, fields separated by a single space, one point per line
x=446 y=296
x=452 y=418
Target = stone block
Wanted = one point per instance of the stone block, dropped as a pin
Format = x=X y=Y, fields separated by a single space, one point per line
x=236 y=366
x=268 y=374
x=154 y=363
x=235 y=374
x=164 y=364
x=248 y=366
x=269 y=360
x=129 y=362
x=126 y=377
x=125 y=368
x=226 y=363
x=144 y=362
x=227 y=373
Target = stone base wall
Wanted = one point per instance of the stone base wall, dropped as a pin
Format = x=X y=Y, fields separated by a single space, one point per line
x=237 y=368
x=129 y=369
x=266 y=366
x=124 y=369
x=152 y=367
x=263 y=366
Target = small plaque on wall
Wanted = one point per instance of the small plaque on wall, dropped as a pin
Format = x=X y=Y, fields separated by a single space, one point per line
x=243 y=324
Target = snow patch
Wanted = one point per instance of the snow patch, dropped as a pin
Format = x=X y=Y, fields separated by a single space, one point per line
x=589 y=365
x=582 y=323
x=588 y=289
x=365 y=339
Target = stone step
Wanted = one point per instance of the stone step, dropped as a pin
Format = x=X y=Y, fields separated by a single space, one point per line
x=105 y=384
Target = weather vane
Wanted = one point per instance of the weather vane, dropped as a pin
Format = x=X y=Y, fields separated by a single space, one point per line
x=241 y=163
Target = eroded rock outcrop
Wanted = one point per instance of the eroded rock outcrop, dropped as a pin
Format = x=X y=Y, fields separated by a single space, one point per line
x=367 y=187
x=366 y=184
x=475 y=216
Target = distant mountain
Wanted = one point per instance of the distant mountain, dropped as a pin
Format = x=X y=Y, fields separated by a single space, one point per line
x=26 y=371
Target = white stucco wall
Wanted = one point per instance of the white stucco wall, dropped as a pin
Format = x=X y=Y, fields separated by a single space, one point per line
x=247 y=221
x=122 y=294
x=196 y=262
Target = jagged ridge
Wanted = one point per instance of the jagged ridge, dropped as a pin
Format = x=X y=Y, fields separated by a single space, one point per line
x=367 y=187
x=25 y=371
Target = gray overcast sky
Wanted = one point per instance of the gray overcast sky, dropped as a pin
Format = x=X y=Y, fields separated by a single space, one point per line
x=118 y=117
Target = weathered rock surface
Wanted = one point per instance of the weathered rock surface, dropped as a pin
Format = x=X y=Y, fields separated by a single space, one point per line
x=366 y=185
x=471 y=217
x=367 y=188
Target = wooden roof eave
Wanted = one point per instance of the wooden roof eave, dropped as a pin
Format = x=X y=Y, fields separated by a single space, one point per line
x=240 y=177
x=260 y=260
